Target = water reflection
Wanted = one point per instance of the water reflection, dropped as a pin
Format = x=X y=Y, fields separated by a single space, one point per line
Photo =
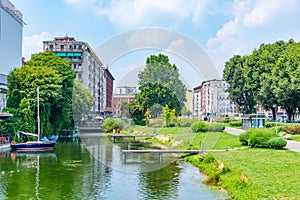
x=73 y=171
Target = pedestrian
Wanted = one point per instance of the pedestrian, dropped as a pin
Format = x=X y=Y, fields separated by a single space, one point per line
x=119 y=130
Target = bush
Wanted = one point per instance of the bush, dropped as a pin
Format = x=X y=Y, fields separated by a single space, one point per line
x=199 y=126
x=172 y=124
x=185 y=122
x=272 y=124
x=244 y=137
x=216 y=127
x=277 y=143
x=292 y=129
x=111 y=124
x=235 y=123
x=260 y=137
x=223 y=119
x=141 y=122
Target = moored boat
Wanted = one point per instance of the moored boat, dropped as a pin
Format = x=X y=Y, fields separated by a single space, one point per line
x=37 y=145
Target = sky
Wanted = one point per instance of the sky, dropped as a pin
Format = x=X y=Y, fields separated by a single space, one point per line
x=221 y=28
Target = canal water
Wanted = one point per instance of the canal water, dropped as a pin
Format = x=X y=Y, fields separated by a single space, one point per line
x=95 y=169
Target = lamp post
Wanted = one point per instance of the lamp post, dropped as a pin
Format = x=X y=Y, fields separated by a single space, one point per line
x=275 y=108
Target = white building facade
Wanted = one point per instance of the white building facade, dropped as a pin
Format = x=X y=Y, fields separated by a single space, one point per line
x=87 y=66
x=211 y=99
x=3 y=91
x=11 y=25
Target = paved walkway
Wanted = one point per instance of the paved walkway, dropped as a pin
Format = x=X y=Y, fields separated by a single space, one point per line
x=291 y=145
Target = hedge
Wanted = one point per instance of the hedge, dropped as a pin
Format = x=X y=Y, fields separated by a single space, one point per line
x=262 y=137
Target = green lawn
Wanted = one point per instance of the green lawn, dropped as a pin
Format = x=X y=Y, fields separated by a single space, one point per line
x=250 y=173
x=185 y=139
x=272 y=174
x=295 y=138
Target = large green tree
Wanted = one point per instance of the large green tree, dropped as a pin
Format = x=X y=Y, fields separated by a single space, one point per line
x=159 y=70
x=260 y=76
x=239 y=89
x=269 y=76
x=286 y=77
x=156 y=93
x=54 y=77
x=82 y=101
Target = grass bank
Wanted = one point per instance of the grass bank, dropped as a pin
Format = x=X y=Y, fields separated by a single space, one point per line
x=246 y=174
x=253 y=173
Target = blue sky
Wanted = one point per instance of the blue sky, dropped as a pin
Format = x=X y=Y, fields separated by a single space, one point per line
x=221 y=28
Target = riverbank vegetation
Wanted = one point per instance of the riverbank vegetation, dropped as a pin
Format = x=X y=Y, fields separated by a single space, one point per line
x=246 y=173
x=58 y=98
x=252 y=173
x=269 y=76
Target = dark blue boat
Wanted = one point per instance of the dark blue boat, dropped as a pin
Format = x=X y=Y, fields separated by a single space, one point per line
x=33 y=146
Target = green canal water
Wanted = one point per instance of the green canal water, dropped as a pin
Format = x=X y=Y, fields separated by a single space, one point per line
x=96 y=169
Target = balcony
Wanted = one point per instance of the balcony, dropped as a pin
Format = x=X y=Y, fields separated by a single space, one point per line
x=75 y=60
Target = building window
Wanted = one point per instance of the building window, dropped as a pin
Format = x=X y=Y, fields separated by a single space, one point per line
x=51 y=47
x=61 y=47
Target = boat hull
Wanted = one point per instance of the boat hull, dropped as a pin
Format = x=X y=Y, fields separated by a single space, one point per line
x=33 y=146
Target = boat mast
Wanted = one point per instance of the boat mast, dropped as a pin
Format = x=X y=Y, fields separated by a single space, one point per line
x=38 y=113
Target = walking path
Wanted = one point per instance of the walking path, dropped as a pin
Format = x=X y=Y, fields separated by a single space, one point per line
x=291 y=145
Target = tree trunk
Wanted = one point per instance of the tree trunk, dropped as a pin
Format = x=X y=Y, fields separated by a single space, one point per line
x=289 y=113
x=274 y=109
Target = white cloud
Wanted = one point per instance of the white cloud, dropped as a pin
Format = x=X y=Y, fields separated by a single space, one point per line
x=253 y=23
x=133 y=13
x=265 y=10
x=34 y=44
x=176 y=46
x=152 y=37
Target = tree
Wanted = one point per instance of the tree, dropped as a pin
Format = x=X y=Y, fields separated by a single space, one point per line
x=260 y=65
x=155 y=93
x=54 y=77
x=287 y=79
x=160 y=71
x=167 y=114
x=240 y=91
x=82 y=101
x=136 y=112
x=268 y=76
x=124 y=109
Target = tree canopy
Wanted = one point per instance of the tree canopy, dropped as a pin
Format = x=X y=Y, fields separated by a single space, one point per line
x=55 y=78
x=82 y=101
x=159 y=85
x=160 y=71
x=269 y=77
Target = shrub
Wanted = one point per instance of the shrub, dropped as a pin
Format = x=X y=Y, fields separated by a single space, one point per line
x=292 y=129
x=272 y=124
x=244 y=137
x=209 y=158
x=223 y=119
x=185 y=122
x=141 y=122
x=216 y=127
x=172 y=124
x=260 y=137
x=235 y=123
x=199 y=126
x=111 y=124
x=277 y=143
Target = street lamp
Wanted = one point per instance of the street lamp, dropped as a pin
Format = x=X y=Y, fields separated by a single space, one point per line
x=275 y=108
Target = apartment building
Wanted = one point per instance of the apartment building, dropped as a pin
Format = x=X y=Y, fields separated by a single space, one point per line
x=122 y=93
x=3 y=91
x=11 y=28
x=88 y=68
x=210 y=99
